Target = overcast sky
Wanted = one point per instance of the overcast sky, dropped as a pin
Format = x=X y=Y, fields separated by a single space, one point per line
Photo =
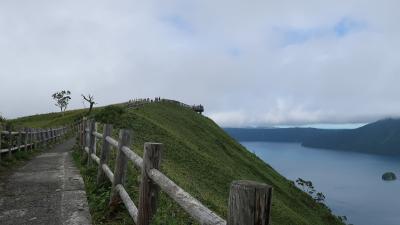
x=251 y=63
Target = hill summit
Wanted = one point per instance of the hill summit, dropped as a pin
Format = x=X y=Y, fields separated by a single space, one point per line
x=201 y=158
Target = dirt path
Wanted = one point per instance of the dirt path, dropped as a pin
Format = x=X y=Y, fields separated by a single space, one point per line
x=47 y=190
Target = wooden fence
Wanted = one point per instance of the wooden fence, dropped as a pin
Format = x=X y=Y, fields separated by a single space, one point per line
x=137 y=103
x=28 y=139
x=249 y=202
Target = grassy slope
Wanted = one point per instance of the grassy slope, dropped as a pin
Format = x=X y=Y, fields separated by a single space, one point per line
x=204 y=160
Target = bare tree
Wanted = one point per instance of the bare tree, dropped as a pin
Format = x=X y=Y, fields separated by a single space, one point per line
x=62 y=99
x=90 y=100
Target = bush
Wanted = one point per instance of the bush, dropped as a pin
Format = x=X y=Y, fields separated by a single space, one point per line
x=116 y=115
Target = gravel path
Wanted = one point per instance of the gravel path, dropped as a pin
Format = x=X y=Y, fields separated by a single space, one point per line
x=47 y=190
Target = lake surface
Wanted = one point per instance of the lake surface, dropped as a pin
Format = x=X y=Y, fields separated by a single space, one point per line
x=351 y=181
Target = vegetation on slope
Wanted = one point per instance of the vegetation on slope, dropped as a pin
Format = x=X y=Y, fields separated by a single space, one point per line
x=201 y=158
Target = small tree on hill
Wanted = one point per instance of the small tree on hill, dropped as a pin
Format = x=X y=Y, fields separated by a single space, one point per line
x=2 y=121
x=90 y=100
x=62 y=99
x=308 y=187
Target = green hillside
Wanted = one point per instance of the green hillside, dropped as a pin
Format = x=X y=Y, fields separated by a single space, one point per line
x=201 y=158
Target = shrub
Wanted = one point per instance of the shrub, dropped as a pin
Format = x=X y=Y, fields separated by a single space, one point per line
x=116 y=115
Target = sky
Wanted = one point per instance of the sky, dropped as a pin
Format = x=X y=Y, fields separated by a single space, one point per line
x=250 y=63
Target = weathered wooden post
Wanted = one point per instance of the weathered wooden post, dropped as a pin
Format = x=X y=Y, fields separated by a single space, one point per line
x=87 y=134
x=121 y=164
x=29 y=139
x=94 y=144
x=19 y=140
x=148 y=189
x=105 y=151
x=46 y=136
x=249 y=203
x=92 y=141
x=52 y=135
x=26 y=139
x=78 y=132
x=81 y=131
x=83 y=134
x=0 y=142
x=38 y=138
x=33 y=138
x=10 y=142
x=34 y=142
x=41 y=138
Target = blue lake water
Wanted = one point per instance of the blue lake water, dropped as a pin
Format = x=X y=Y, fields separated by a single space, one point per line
x=351 y=181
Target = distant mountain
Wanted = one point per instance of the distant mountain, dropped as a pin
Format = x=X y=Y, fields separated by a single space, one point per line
x=381 y=137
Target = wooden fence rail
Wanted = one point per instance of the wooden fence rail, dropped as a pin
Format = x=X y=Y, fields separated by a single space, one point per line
x=137 y=103
x=28 y=139
x=249 y=202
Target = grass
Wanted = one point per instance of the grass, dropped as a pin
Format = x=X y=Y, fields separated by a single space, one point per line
x=199 y=156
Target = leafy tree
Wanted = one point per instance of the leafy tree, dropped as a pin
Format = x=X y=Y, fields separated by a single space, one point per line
x=307 y=186
x=90 y=100
x=2 y=119
x=319 y=197
x=62 y=99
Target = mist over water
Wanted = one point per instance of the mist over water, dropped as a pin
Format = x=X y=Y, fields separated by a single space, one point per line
x=351 y=181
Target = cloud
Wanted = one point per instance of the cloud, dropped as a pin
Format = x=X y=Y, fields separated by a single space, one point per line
x=347 y=25
x=340 y=29
x=259 y=63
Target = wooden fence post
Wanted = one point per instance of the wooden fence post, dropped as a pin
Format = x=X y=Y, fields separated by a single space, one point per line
x=32 y=138
x=148 y=189
x=82 y=132
x=92 y=141
x=26 y=139
x=46 y=137
x=10 y=142
x=0 y=142
x=84 y=137
x=52 y=135
x=40 y=137
x=105 y=150
x=78 y=132
x=34 y=142
x=19 y=140
x=121 y=164
x=29 y=138
x=85 y=141
x=249 y=203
